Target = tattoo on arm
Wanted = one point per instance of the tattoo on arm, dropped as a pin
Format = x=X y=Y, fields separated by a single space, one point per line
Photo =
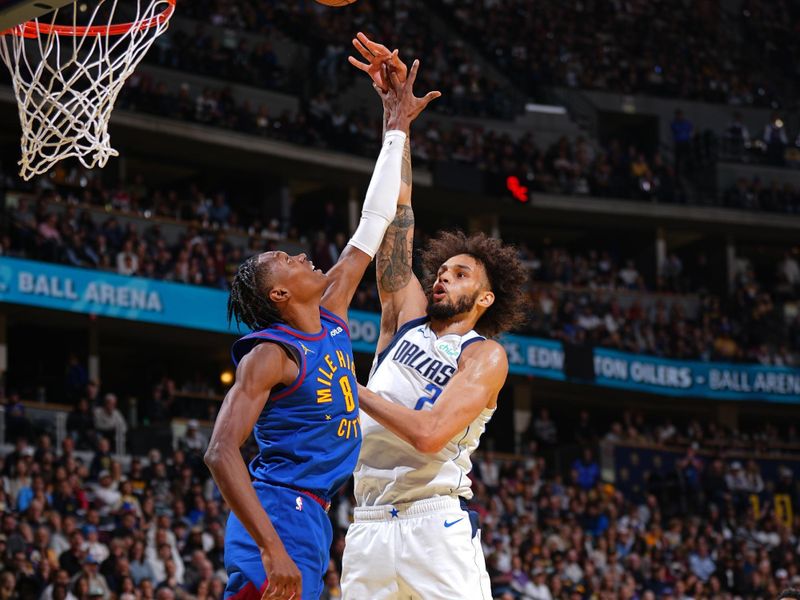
x=394 y=256
x=405 y=174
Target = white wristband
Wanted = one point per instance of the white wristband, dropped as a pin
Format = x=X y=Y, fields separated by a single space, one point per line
x=380 y=204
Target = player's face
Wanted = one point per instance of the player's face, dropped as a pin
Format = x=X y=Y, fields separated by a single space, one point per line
x=460 y=283
x=295 y=274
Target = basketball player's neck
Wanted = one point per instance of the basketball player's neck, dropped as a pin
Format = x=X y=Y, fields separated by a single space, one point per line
x=458 y=325
x=303 y=317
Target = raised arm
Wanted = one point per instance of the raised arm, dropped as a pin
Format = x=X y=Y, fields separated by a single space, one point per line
x=260 y=370
x=380 y=204
x=482 y=371
x=402 y=297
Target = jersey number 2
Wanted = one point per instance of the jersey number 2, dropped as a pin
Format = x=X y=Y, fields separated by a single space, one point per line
x=434 y=390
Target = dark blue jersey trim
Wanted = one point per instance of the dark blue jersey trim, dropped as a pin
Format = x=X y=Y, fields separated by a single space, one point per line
x=265 y=336
x=469 y=342
x=335 y=318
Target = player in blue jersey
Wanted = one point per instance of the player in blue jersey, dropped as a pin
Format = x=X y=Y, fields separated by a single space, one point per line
x=295 y=390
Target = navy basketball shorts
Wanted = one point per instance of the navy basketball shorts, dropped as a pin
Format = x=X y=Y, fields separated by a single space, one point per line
x=304 y=529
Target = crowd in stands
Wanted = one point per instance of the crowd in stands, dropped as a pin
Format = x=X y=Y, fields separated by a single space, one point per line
x=76 y=239
x=326 y=34
x=227 y=56
x=579 y=298
x=688 y=50
x=576 y=166
x=775 y=145
x=628 y=47
x=576 y=295
x=757 y=195
x=78 y=519
x=548 y=537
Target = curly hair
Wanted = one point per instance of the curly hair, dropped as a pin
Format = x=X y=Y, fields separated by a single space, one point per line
x=248 y=302
x=507 y=276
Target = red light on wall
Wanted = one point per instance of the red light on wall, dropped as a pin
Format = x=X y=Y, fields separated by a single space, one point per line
x=519 y=191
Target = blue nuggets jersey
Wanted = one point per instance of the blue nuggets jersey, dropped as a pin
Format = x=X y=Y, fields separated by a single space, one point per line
x=309 y=433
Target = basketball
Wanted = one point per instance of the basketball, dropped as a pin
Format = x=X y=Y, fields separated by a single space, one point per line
x=336 y=2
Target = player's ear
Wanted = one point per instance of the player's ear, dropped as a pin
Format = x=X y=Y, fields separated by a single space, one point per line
x=486 y=299
x=279 y=294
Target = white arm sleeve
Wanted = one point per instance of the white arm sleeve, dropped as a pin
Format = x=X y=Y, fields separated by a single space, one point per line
x=380 y=205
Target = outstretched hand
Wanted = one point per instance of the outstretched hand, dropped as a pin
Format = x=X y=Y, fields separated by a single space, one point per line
x=377 y=55
x=400 y=103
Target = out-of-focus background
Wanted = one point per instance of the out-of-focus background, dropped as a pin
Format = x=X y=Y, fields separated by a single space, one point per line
x=643 y=155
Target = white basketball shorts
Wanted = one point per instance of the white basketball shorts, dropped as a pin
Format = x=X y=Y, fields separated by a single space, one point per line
x=423 y=550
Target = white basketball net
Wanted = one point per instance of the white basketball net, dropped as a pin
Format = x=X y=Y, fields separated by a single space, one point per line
x=66 y=85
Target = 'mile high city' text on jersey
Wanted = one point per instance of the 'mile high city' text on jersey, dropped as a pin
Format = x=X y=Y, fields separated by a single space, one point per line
x=412 y=371
x=309 y=432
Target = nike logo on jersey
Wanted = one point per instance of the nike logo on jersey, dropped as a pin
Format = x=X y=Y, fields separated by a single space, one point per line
x=451 y=523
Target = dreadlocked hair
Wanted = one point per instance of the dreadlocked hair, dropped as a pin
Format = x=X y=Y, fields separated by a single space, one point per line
x=506 y=273
x=248 y=302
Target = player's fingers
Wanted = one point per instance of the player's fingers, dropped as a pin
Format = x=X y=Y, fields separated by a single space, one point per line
x=396 y=83
x=430 y=96
x=402 y=69
x=279 y=591
x=364 y=51
x=363 y=39
x=397 y=65
x=358 y=64
x=271 y=592
x=412 y=75
x=374 y=47
x=299 y=589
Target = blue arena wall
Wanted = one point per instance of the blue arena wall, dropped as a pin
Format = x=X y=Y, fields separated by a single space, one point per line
x=57 y=287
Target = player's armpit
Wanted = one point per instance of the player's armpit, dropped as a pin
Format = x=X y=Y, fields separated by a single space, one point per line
x=482 y=371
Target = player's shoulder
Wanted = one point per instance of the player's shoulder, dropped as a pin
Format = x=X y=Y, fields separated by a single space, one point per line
x=485 y=351
x=264 y=362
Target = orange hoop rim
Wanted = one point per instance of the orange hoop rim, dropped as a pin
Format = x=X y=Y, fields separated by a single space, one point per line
x=33 y=29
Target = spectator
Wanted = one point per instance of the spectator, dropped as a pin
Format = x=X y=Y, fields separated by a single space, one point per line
x=127 y=260
x=80 y=425
x=776 y=140
x=106 y=498
x=139 y=566
x=96 y=582
x=72 y=559
x=737 y=136
x=701 y=563
x=102 y=460
x=586 y=471
x=108 y=421
x=682 y=132
x=544 y=429
x=193 y=442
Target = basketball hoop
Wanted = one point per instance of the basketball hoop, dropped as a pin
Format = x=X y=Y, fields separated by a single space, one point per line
x=67 y=78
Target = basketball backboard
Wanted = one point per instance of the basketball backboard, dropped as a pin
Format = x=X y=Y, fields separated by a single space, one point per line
x=14 y=12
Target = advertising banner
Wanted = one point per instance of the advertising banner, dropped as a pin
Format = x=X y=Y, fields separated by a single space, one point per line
x=723 y=381
x=58 y=287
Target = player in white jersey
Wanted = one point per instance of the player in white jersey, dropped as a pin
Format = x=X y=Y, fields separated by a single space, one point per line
x=433 y=387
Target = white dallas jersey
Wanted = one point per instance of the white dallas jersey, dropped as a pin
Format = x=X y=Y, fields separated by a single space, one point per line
x=412 y=371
